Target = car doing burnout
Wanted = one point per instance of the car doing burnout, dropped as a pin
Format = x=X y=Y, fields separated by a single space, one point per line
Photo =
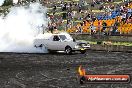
x=60 y=42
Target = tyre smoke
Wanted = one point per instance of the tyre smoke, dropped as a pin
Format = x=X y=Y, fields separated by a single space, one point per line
x=20 y=26
x=15 y=1
x=1 y=2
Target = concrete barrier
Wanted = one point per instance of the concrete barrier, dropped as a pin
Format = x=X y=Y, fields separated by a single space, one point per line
x=102 y=38
x=114 y=48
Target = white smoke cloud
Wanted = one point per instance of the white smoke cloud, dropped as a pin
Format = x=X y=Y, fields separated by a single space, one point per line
x=15 y=1
x=1 y=2
x=20 y=26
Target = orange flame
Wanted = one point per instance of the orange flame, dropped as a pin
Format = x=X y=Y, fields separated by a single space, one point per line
x=81 y=71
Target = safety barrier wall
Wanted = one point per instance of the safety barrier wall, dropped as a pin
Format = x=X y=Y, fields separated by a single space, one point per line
x=113 y=48
x=122 y=38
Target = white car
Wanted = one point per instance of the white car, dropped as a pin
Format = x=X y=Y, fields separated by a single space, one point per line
x=60 y=42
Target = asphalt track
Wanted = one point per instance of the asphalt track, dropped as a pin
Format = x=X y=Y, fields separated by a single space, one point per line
x=21 y=70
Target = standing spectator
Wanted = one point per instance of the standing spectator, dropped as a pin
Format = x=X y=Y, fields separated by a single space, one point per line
x=115 y=27
x=68 y=24
x=80 y=28
x=51 y=28
x=101 y=7
x=123 y=17
x=112 y=7
x=64 y=15
x=73 y=13
x=62 y=6
x=71 y=6
x=68 y=6
x=51 y=18
x=92 y=4
x=129 y=20
x=54 y=9
x=93 y=18
x=88 y=16
x=54 y=27
x=79 y=8
x=65 y=6
x=99 y=26
x=69 y=15
x=104 y=24
x=92 y=29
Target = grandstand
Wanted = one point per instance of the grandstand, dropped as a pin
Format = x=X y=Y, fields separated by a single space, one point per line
x=110 y=20
x=110 y=17
x=88 y=16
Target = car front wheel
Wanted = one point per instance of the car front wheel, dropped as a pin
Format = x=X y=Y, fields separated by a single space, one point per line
x=68 y=50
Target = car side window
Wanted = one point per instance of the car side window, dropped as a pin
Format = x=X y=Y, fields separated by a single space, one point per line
x=62 y=37
x=56 y=38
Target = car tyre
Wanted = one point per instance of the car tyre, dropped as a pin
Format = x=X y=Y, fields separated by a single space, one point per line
x=68 y=50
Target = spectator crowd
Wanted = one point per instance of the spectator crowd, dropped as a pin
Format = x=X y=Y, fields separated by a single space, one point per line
x=78 y=17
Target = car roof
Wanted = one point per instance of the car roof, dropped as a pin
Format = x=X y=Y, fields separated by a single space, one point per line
x=58 y=34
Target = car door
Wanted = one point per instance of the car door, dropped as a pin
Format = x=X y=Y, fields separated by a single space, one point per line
x=63 y=43
x=54 y=43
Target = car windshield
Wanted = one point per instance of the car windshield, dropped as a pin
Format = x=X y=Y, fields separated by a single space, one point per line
x=63 y=37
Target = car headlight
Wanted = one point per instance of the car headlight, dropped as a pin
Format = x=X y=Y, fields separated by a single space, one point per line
x=77 y=46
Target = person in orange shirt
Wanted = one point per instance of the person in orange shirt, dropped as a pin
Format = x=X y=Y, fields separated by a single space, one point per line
x=99 y=26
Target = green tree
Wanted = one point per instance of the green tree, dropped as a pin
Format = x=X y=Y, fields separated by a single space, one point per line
x=8 y=2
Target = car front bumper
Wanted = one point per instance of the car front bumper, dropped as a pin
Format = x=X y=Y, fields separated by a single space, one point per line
x=81 y=48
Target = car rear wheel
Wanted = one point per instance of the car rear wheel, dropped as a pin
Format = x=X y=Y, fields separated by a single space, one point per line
x=50 y=51
x=68 y=50
x=83 y=51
